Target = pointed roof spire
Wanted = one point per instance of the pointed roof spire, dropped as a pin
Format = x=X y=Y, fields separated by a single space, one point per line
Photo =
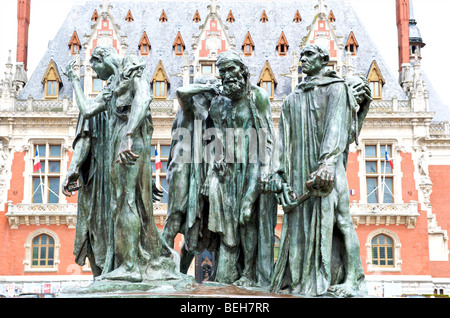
x=414 y=32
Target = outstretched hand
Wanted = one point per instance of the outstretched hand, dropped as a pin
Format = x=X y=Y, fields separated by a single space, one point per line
x=69 y=71
x=126 y=156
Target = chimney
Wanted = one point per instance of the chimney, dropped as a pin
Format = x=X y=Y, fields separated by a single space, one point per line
x=23 y=22
x=402 y=8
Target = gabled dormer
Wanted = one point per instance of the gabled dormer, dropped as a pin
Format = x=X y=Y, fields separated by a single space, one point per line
x=178 y=45
x=196 y=18
x=163 y=17
x=264 y=17
x=248 y=45
x=94 y=17
x=322 y=32
x=74 y=44
x=129 y=17
x=230 y=17
x=282 y=45
x=297 y=17
x=51 y=81
x=144 y=45
x=352 y=45
x=376 y=80
x=331 y=17
x=160 y=82
x=267 y=80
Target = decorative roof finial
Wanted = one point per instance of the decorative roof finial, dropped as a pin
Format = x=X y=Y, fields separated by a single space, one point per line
x=321 y=8
x=213 y=7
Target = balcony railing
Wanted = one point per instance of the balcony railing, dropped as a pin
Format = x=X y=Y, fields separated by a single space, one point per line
x=41 y=214
x=385 y=214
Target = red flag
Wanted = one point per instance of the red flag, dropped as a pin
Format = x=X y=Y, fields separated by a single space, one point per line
x=37 y=161
x=158 y=164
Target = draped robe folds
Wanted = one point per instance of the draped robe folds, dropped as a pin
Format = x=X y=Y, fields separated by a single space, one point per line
x=317 y=123
x=154 y=255
x=93 y=213
x=186 y=173
x=226 y=196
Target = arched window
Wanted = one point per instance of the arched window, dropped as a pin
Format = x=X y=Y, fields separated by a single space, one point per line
x=43 y=251
x=382 y=251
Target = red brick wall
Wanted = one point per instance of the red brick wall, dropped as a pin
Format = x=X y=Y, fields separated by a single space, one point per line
x=15 y=192
x=440 y=201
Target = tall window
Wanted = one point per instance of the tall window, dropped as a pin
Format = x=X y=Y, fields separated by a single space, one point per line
x=268 y=87
x=46 y=180
x=379 y=173
x=43 y=251
x=375 y=87
x=52 y=89
x=160 y=175
x=382 y=251
x=160 y=89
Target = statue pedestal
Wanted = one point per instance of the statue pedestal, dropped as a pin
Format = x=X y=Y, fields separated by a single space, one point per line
x=185 y=287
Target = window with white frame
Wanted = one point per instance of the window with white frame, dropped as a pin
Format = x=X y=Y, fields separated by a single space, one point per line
x=46 y=172
x=383 y=249
x=379 y=173
x=160 y=153
x=42 y=251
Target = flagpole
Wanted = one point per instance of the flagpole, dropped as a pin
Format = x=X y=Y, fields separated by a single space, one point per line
x=384 y=175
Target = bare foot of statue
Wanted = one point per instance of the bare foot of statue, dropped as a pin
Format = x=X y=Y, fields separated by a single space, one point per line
x=244 y=282
x=121 y=273
x=347 y=289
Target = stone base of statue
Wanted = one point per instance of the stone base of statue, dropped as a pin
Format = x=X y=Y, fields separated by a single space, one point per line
x=183 y=287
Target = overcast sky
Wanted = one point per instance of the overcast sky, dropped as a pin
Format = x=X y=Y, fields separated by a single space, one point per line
x=378 y=17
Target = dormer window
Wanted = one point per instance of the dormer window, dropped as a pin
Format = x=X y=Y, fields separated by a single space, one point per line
x=376 y=80
x=163 y=17
x=196 y=18
x=144 y=44
x=160 y=81
x=297 y=17
x=331 y=16
x=352 y=44
x=248 y=45
x=267 y=80
x=282 y=45
x=230 y=17
x=94 y=17
x=178 y=45
x=52 y=81
x=74 y=44
x=264 y=17
x=129 y=17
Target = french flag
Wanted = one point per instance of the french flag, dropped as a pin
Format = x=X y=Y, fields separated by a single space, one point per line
x=37 y=161
x=388 y=159
x=158 y=164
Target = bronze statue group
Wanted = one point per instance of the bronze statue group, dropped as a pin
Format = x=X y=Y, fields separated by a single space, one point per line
x=228 y=172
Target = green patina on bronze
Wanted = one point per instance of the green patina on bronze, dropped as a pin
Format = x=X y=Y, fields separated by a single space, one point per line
x=112 y=160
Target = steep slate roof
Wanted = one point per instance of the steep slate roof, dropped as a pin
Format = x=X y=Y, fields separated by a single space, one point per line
x=247 y=18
